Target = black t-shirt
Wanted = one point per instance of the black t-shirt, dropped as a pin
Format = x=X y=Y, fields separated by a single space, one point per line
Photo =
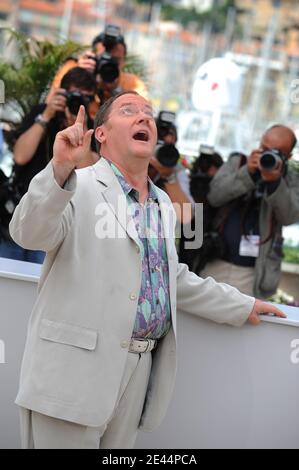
x=43 y=154
x=241 y=221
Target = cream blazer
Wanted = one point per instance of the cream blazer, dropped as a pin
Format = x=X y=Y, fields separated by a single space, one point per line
x=81 y=324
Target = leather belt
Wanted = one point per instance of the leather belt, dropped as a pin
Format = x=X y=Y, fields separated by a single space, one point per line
x=142 y=345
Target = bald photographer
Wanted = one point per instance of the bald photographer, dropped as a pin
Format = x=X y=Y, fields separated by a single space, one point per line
x=256 y=197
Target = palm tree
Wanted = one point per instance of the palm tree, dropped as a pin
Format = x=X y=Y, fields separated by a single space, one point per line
x=28 y=76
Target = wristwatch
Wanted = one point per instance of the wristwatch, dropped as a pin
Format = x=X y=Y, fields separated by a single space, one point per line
x=41 y=121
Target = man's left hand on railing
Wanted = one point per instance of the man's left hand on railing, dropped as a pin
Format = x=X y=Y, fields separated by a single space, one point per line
x=263 y=308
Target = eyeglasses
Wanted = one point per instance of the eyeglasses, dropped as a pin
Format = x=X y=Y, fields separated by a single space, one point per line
x=133 y=109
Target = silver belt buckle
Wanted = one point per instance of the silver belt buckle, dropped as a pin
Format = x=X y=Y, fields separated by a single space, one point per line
x=143 y=348
x=152 y=343
x=148 y=345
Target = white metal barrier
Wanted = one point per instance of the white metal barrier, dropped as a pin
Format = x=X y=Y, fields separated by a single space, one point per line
x=235 y=388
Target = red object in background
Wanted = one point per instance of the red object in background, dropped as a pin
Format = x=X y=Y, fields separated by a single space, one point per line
x=184 y=162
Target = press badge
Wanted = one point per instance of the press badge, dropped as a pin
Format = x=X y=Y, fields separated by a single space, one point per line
x=249 y=246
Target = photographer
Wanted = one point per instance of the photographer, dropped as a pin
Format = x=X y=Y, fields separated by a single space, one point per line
x=203 y=170
x=166 y=171
x=256 y=197
x=33 y=149
x=106 y=61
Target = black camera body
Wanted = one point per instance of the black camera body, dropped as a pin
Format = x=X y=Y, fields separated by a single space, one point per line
x=74 y=99
x=112 y=36
x=107 y=67
x=166 y=154
x=200 y=186
x=270 y=159
x=165 y=123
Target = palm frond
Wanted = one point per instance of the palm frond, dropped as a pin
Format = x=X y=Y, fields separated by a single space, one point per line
x=28 y=77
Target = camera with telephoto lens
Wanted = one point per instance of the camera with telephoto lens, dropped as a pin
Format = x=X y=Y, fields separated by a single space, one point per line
x=166 y=154
x=74 y=99
x=165 y=123
x=270 y=158
x=199 y=178
x=107 y=67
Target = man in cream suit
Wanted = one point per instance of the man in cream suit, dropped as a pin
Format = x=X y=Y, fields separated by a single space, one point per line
x=100 y=356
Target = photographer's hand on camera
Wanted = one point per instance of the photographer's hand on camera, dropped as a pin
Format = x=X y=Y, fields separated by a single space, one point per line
x=55 y=103
x=271 y=176
x=253 y=161
x=267 y=175
x=71 y=148
x=87 y=61
x=27 y=144
x=255 y=168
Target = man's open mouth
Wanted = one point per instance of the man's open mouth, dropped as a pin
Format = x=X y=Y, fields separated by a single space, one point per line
x=141 y=135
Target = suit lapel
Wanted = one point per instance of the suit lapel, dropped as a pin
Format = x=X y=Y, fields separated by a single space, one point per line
x=114 y=196
x=167 y=223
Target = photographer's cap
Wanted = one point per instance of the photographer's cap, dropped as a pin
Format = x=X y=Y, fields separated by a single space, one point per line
x=111 y=30
x=206 y=149
x=167 y=117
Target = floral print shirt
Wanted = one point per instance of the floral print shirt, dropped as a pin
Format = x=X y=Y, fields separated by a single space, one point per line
x=153 y=317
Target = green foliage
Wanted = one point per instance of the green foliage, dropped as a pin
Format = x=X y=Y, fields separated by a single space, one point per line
x=215 y=15
x=34 y=65
x=291 y=254
x=28 y=77
x=294 y=165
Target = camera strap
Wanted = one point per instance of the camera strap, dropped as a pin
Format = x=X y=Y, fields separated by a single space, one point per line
x=271 y=231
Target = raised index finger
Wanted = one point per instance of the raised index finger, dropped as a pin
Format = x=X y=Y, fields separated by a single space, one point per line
x=80 y=116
